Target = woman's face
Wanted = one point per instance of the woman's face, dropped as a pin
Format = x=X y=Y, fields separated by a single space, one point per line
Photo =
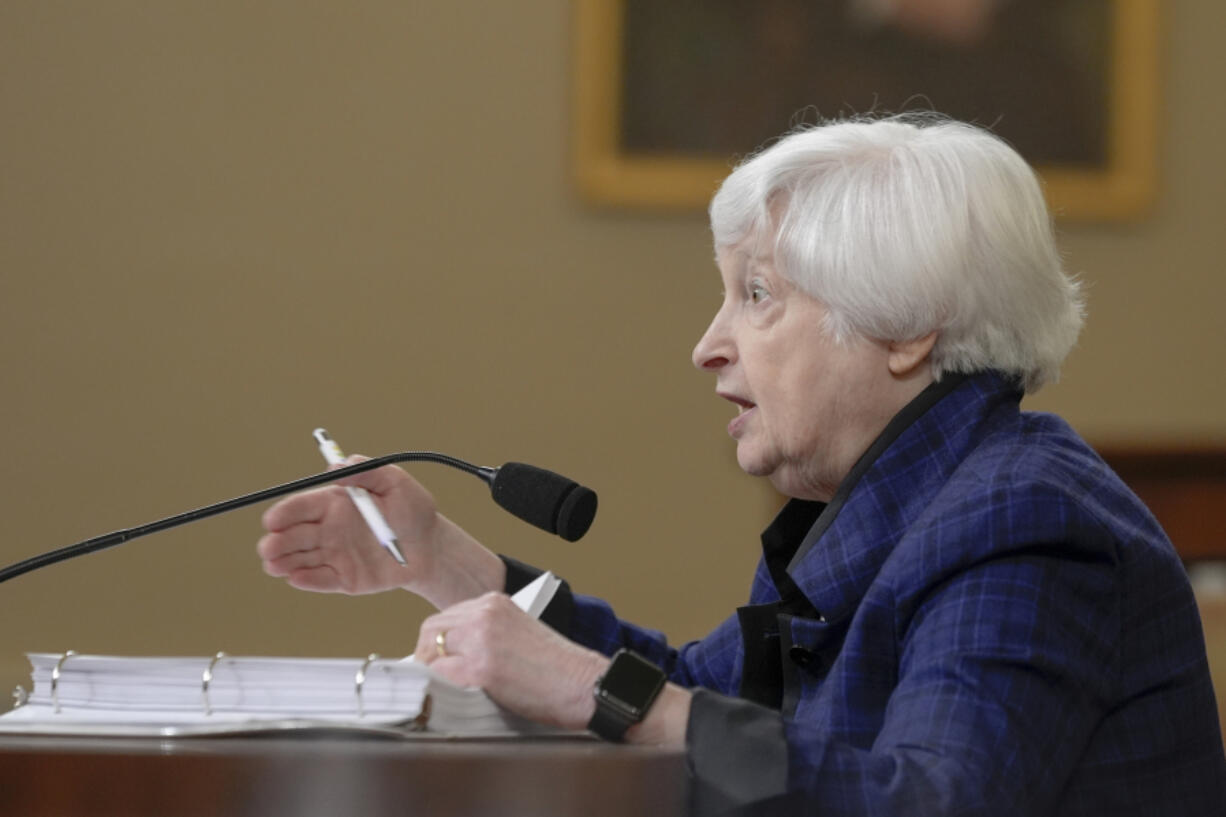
x=808 y=407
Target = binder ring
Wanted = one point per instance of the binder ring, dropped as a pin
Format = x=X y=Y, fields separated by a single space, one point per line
x=205 y=678
x=360 y=679
x=55 y=679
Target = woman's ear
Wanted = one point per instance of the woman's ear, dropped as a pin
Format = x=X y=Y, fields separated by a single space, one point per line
x=907 y=355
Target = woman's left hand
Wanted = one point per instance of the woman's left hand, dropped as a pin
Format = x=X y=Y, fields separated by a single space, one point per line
x=521 y=663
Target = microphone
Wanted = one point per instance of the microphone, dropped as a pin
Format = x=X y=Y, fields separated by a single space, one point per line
x=545 y=499
x=542 y=498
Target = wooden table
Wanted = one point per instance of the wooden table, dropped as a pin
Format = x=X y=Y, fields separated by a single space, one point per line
x=330 y=775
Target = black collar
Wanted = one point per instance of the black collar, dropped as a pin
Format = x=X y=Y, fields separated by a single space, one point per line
x=826 y=514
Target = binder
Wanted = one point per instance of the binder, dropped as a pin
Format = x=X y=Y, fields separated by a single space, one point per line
x=167 y=696
x=223 y=694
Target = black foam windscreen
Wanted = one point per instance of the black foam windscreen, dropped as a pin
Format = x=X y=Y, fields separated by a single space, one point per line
x=545 y=499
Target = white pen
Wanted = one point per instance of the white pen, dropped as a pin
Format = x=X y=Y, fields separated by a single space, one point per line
x=366 y=506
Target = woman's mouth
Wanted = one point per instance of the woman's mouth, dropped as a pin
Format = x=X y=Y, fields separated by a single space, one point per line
x=745 y=409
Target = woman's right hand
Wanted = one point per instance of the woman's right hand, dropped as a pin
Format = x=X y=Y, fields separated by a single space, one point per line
x=317 y=540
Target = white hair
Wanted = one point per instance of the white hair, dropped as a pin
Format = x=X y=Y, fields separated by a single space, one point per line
x=910 y=224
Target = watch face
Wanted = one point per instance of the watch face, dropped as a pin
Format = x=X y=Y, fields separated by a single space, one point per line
x=632 y=681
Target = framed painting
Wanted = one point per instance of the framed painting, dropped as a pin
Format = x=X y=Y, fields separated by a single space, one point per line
x=668 y=96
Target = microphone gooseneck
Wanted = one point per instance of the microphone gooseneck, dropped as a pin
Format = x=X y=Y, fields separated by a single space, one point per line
x=542 y=498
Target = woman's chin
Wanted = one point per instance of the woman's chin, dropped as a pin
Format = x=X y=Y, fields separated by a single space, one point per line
x=751 y=461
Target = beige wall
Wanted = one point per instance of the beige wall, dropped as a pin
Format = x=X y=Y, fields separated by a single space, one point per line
x=225 y=223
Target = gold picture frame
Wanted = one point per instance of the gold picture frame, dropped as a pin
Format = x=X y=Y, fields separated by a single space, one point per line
x=1119 y=187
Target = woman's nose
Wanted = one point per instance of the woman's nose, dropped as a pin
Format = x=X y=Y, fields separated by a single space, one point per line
x=713 y=350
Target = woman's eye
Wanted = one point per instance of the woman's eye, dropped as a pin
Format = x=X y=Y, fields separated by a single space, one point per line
x=757 y=292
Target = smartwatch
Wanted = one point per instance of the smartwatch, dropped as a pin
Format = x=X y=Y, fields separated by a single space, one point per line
x=624 y=694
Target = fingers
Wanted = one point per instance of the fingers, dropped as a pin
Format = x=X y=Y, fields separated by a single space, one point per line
x=445 y=634
x=274 y=546
x=435 y=639
x=293 y=548
x=303 y=536
x=521 y=663
x=309 y=569
x=302 y=508
x=447 y=646
x=321 y=579
x=320 y=528
x=303 y=566
x=281 y=556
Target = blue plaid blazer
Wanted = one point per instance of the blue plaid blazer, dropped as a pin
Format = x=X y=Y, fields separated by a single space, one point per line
x=983 y=620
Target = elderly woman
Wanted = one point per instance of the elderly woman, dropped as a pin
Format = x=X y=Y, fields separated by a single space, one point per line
x=961 y=610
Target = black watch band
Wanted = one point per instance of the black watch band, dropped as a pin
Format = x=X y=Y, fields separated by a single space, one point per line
x=624 y=694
